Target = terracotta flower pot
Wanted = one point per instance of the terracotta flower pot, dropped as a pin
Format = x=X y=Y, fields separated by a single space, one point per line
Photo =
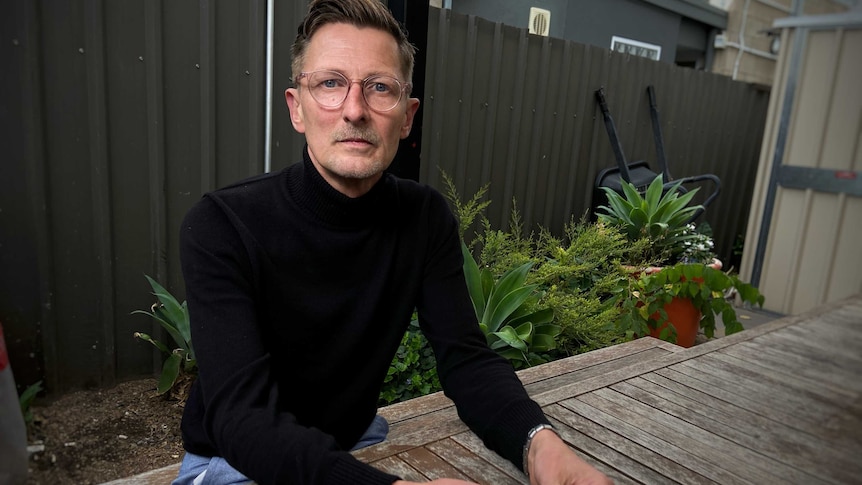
x=685 y=319
x=681 y=313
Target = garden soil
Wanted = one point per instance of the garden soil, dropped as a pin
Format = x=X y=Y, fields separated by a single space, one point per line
x=95 y=436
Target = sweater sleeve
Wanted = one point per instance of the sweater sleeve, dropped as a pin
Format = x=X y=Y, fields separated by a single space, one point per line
x=241 y=418
x=487 y=393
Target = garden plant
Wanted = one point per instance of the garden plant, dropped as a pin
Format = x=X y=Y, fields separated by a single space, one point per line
x=180 y=364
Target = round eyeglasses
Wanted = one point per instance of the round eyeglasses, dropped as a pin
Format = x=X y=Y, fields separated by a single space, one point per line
x=330 y=89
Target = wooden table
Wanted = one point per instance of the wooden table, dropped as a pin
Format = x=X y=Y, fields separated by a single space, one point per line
x=781 y=403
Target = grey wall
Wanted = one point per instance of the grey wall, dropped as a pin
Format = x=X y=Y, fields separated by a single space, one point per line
x=587 y=21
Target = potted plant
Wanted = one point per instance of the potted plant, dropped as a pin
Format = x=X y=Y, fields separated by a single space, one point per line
x=677 y=287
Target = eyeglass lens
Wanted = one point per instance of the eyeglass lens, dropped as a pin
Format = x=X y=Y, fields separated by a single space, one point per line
x=330 y=89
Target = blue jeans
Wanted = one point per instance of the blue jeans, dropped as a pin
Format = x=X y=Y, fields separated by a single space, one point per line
x=205 y=470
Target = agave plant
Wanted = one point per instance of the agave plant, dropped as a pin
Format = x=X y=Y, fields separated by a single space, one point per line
x=661 y=218
x=503 y=308
x=173 y=316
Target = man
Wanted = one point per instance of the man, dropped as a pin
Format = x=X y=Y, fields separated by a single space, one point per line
x=301 y=283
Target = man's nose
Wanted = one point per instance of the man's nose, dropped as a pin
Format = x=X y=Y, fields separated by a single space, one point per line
x=355 y=107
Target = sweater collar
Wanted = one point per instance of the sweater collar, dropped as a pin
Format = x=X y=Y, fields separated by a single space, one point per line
x=314 y=194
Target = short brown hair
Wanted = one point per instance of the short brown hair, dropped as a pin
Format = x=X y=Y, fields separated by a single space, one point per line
x=360 y=13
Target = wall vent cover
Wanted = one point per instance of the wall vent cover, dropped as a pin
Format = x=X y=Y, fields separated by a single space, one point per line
x=540 y=21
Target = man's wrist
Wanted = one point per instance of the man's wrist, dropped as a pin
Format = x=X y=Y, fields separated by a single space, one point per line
x=527 y=444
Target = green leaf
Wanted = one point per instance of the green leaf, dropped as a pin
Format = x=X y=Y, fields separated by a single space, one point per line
x=510 y=336
x=548 y=330
x=170 y=372
x=474 y=281
x=653 y=193
x=543 y=343
x=539 y=317
x=149 y=339
x=525 y=332
x=508 y=304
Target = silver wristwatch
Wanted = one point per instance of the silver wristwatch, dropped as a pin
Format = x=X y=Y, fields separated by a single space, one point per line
x=529 y=441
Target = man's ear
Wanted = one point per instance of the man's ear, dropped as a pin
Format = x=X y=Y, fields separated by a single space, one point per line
x=291 y=97
x=412 y=107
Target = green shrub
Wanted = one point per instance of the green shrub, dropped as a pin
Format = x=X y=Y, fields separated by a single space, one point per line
x=574 y=275
x=578 y=274
x=413 y=371
x=180 y=363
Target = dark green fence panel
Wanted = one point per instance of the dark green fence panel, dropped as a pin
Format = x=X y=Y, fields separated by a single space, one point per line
x=518 y=111
x=117 y=115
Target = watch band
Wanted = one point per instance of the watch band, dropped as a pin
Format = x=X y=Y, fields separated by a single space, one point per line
x=529 y=441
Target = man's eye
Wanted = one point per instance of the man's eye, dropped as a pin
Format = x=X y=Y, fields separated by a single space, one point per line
x=330 y=83
x=380 y=87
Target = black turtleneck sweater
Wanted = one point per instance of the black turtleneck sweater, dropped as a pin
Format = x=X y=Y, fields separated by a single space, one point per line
x=299 y=297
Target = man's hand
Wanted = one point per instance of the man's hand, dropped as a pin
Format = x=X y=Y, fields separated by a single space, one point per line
x=551 y=462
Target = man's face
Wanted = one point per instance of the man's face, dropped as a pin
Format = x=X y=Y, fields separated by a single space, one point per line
x=351 y=144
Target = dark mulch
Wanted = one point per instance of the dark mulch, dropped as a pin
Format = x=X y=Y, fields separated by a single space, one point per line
x=96 y=436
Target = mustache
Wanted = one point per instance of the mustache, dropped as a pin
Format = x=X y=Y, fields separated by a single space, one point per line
x=354 y=133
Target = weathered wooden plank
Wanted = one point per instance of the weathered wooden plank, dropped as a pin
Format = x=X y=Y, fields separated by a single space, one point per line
x=836 y=328
x=632 y=430
x=599 y=369
x=810 y=348
x=823 y=372
x=715 y=449
x=477 y=469
x=708 y=386
x=793 y=336
x=472 y=442
x=630 y=458
x=411 y=408
x=379 y=451
x=568 y=434
x=779 y=369
x=749 y=379
x=574 y=388
x=399 y=468
x=402 y=411
x=430 y=465
x=774 y=397
x=789 y=463
x=443 y=423
x=836 y=434
x=744 y=368
x=599 y=356
x=735 y=415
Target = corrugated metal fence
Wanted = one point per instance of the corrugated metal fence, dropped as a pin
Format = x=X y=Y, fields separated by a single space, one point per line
x=118 y=116
x=518 y=111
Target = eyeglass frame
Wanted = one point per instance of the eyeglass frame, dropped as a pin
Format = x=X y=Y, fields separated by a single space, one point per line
x=405 y=87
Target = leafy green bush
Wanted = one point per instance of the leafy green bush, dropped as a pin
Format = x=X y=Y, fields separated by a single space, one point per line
x=413 y=371
x=578 y=274
x=173 y=316
x=573 y=276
